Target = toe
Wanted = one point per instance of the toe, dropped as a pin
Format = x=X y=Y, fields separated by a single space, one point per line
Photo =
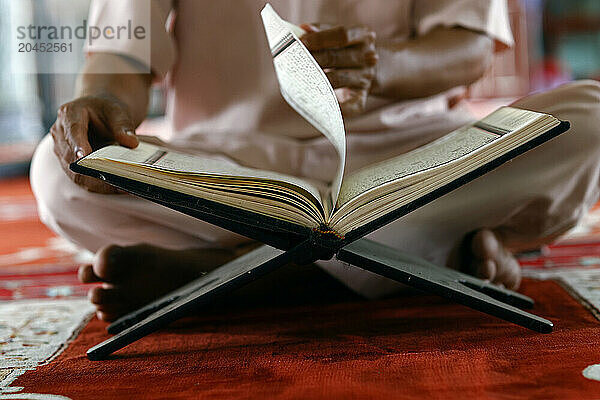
x=484 y=250
x=107 y=262
x=487 y=258
x=510 y=274
x=106 y=316
x=85 y=273
x=504 y=266
x=485 y=245
x=104 y=296
x=486 y=269
x=108 y=302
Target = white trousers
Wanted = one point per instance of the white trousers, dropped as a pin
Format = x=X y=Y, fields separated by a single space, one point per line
x=536 y=196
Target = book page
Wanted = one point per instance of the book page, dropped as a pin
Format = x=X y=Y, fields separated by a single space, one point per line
x=160 y=158
x=508 y=119
x=305 y=86
x=451 y=147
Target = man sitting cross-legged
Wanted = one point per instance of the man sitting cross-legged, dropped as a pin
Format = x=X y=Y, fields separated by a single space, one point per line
x=223 y=98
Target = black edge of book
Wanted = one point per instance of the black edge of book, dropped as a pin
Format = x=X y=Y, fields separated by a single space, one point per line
x=304 y=245
x=268 y=230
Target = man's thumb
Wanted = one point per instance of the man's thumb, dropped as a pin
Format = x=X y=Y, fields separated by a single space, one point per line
x=124 y=132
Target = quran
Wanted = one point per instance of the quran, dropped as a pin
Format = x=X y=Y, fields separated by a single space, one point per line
x=350 y=201
x=302 y=221
x=345 y=205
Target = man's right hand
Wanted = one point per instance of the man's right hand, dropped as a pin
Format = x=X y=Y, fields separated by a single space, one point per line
x=87 y=124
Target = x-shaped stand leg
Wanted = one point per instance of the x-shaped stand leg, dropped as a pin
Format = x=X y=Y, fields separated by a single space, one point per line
x=363 y=253
x=453 y=285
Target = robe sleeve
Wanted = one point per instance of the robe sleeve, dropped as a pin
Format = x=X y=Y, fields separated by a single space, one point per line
x=156 y=53
x=486 y=16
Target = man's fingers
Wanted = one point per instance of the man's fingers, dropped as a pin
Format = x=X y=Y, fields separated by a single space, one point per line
x=122 y=127
x=74 y=121
x=338 y=37
x=91 y=184
x=66 y=156
x=350 y=57
x=112 y=123
x=351 y=78
x=359 y=34
x=89 y=123
x=61 y=147
x=151 y=140
x=316 y=27
x=126 y=137
x=354 y=102
x=94 y=185
x=62 y=150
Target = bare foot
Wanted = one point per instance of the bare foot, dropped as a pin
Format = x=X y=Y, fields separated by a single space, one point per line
x=483 y=255
x=135 y=275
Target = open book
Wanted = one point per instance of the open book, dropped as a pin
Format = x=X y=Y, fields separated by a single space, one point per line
x=369 y=198
x=302 y=222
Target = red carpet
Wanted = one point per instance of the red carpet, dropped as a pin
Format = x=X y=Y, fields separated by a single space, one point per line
x=315 y=341
x=34 y=263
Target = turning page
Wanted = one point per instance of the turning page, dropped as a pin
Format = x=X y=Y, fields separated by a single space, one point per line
x=305 y=86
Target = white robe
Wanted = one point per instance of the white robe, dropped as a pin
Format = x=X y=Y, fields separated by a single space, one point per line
x=223 y=98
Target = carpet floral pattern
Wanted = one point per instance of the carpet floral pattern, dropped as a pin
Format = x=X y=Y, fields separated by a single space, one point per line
x=410 y=346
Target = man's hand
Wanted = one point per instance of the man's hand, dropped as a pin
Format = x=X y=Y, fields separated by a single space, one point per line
x=348 y=57
x=87 y=124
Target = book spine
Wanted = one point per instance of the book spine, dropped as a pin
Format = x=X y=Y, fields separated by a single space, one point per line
x=326 y=231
